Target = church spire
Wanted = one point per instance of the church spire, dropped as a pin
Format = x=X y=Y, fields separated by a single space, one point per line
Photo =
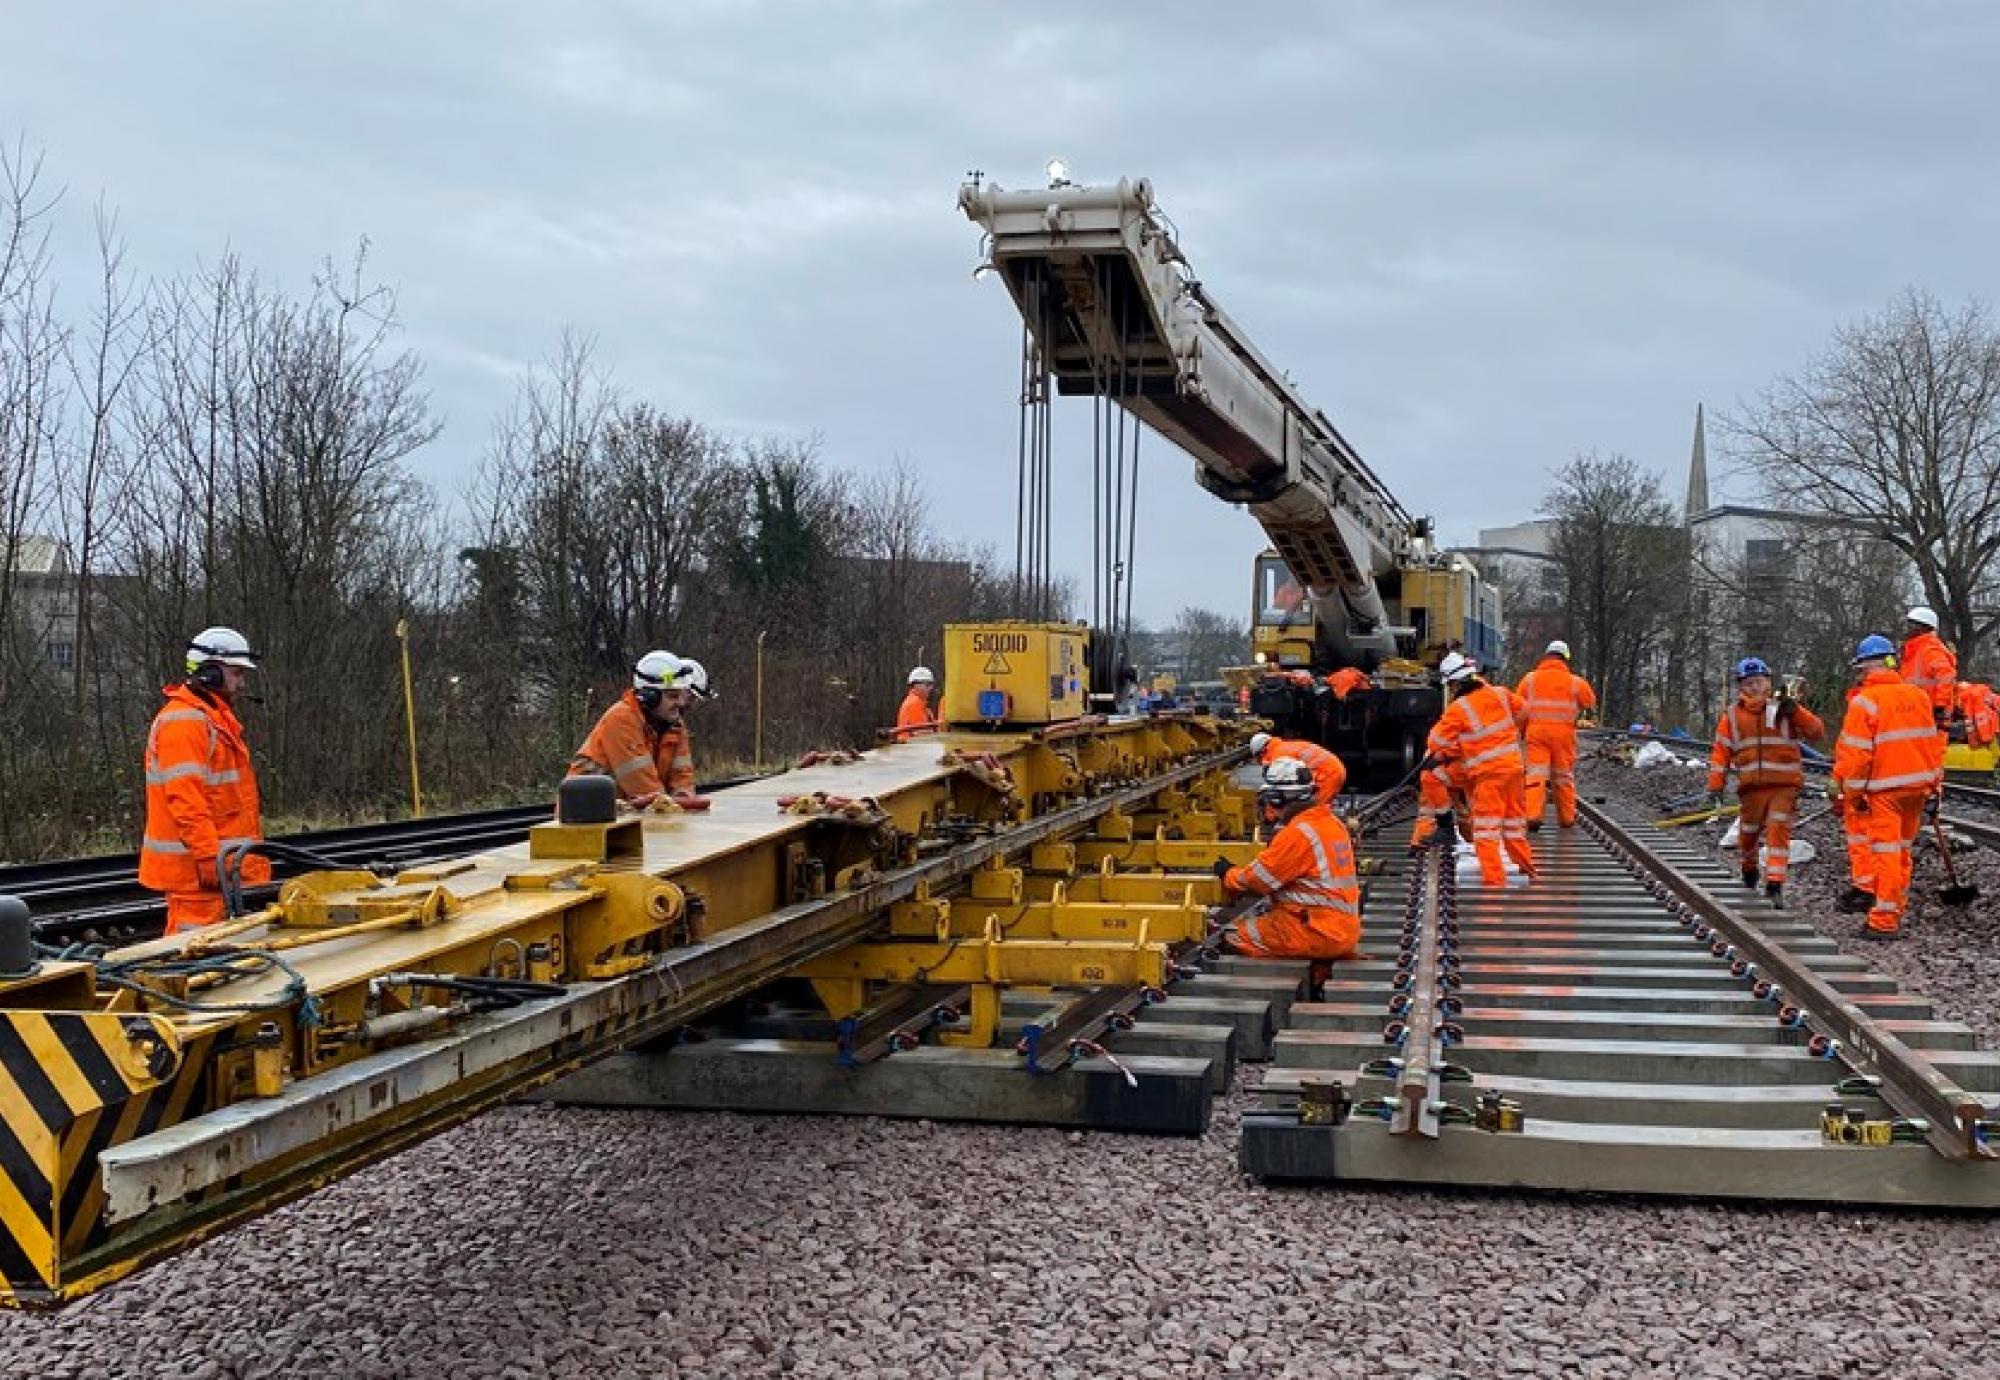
x=1697 y=491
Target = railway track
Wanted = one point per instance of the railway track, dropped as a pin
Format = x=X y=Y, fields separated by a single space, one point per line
x=1650 y=1028
x=99 y=900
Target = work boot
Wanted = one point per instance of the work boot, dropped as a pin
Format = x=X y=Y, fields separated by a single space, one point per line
x=1855 y=901
x=1534 y=826
x=1775 y=892
x=1750 y=879
x=1881 y=936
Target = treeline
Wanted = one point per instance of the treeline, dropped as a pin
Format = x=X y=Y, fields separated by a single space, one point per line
x=211 y=448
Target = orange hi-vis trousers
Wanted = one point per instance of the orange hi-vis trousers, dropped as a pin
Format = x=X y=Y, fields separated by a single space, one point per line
x=1860 y=857
x=1766 y=817
x=190 y=910
x=1434 y=801
x=1892 y=819
x=1500 y=824
x=1551 y=753
x=1289 y=931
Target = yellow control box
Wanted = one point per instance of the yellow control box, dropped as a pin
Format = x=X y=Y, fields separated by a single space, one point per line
x=1015 y=673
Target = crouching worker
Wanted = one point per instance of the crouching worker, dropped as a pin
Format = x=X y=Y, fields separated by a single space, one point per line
x=1306 y=874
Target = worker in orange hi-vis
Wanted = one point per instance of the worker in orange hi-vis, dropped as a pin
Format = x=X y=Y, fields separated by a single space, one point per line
x=1888 y=762
x=201 y=794
x=1347 y=680
x=1928 y=663
x=1479 y=730
x=914 y=716
x=1328 y=772
x=1556 y=695
x=1860 y=894
x=1757 y=741
x=641 y=742
x=1978 y=712
x=1441 y=791
x=1306 y=873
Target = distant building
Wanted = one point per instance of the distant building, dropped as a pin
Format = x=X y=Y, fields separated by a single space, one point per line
x=44 y=586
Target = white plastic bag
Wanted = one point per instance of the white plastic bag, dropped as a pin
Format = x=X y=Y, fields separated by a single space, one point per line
x=1802 y=849
x=1652 y=755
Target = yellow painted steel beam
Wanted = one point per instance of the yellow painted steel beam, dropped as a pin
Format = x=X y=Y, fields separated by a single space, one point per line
x=1054 y=919
x=1007 y=963
x=777 y=871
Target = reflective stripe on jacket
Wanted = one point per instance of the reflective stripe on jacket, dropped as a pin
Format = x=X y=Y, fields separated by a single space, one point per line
x=643 y=758
x=1556 y=694
x=201 y=794
x=1889 y=740
x=1758 y=754
x=1932 y=667
x=1329 y=773
x=1481 y=731
x=914 y=716
x=1309 y=864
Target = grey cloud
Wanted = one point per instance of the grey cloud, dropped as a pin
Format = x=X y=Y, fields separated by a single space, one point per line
x=1482 y=237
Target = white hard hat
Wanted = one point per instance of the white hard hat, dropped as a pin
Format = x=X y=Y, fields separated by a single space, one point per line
x=656 y=671
x=221 y=646
x=1922 y=615
x=693 y=678
x=1258 y=742
x=1558 y=648
x=1286 y=782
x=921 y=675
x=1455 y=667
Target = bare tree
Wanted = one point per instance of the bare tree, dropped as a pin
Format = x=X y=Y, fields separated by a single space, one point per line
x=1204 y=640
x=1895 y=433
x=1622 y=563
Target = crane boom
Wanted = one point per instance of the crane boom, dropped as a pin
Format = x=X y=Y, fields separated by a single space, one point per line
x=1117 y=312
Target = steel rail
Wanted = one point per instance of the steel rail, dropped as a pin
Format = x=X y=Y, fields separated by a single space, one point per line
x=1420 y=1084
x=1984 y=796
x=1907 y=1080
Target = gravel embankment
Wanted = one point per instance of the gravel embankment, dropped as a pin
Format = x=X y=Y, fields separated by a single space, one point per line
x=613 y=1245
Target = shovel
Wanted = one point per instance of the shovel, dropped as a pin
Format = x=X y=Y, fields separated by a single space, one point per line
x=1957 y=893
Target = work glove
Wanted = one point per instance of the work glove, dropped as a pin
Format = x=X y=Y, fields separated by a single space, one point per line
x=1428 y=764
x=1932 y=803
x=1221 y=867
x=690 y=801
x=205 y=874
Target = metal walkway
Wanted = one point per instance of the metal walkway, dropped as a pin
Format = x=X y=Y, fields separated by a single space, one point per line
x=1621 y=1026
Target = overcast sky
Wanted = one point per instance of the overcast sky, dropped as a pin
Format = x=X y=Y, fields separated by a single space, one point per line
x=1482 y=237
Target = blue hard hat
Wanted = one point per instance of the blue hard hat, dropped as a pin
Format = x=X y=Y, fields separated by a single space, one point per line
x=1872 y=646
x=1751 y=666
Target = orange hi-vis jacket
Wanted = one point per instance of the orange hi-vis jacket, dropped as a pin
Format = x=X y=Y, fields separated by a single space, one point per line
x=1329 y=773
x=1309 y=867
x=1889 y=740
x=1556 y=694
x=914 y=716
x=1761 y=755
x=1346 y=681
x=201 y=795
x=1481 y=731
x=641 y=756
x=1981 y=709
x=1932 y=667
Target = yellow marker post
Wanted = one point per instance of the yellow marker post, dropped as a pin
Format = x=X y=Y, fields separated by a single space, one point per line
x=410 y=720
x=757 y=751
